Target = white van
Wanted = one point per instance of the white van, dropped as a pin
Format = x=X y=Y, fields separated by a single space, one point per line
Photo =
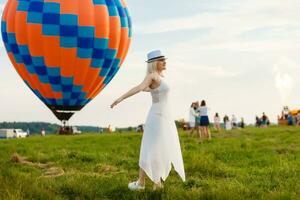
x=75 y=130
x=19 y=133
x=7 y=133
x=12 y=133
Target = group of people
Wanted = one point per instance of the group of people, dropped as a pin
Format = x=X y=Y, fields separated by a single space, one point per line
x=199 y=120
x=232 y=123
x=291 y=117
x=294 y=120
x=262 y=121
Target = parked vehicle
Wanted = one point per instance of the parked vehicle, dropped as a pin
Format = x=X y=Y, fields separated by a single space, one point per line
x=19 y=133
x=75 y=130
x=13 y=133
x=7 y=133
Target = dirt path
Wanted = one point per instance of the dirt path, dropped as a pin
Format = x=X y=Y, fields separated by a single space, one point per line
x=49 y=171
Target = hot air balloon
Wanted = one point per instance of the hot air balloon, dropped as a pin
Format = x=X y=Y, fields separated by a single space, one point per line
x=66 y=51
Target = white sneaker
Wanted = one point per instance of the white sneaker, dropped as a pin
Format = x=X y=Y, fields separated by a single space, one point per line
x=135 y=186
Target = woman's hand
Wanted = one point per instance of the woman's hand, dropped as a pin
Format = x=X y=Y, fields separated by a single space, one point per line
x=115 y=103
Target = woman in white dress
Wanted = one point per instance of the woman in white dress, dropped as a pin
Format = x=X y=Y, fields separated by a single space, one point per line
x=160 y=147
x=192 y=118
x=227 y=123
x=217 y=122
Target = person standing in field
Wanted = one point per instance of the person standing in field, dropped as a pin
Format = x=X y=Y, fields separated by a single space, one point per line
x=197 y=120
x=204 y=121
x=160 y=147
x=43 y=132
x=290 y=120
x=257 y=121
x=298 y=118
x=264 y=120
x=217 y=122
x=192 y=120
x=233 y=121
x=242 y=123
x=285 y=111
x=227 y=124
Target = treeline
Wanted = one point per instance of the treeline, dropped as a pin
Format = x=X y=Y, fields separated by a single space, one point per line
x=36 y=127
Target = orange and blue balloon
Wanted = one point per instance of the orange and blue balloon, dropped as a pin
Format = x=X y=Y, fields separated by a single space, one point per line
x=66 y=51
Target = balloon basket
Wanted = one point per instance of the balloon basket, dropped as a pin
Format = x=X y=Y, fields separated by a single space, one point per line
x=65 y=129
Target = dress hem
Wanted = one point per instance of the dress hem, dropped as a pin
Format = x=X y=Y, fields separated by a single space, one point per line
x=163 y=178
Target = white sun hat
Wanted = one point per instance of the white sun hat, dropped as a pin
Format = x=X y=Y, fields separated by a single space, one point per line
x=155 y=55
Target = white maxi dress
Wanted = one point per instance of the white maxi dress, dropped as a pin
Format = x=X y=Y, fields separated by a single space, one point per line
x=160 y=145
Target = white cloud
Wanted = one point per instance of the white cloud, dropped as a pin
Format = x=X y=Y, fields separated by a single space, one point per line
x=195 y=71
x=246 y=15
x=237 y=44
x=279 y=18
x=218 y=72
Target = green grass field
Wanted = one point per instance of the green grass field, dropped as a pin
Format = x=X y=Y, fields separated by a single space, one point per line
x=252 y=163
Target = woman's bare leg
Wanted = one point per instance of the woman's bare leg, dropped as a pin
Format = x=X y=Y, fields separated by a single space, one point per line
x=203 y=133
x=199 y=132
x=141 y=181
x=142 y=176
x=191 y=132
x=208 y=132
x=218 y=127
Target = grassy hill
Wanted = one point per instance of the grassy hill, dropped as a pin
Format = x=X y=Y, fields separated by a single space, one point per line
x=241 y=164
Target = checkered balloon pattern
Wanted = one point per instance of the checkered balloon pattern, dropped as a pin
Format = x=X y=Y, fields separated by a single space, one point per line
x=66 y=51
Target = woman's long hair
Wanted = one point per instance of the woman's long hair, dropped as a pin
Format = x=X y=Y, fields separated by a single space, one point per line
x=151 y=67
x=203 y=103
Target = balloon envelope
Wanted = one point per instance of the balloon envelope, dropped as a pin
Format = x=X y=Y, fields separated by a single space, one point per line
x=66 y=51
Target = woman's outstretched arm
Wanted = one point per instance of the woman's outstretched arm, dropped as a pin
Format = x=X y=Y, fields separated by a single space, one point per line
x=141 y=87
x=148 y=89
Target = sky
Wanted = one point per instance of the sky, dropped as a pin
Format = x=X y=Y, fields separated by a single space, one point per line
x=242 y=57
